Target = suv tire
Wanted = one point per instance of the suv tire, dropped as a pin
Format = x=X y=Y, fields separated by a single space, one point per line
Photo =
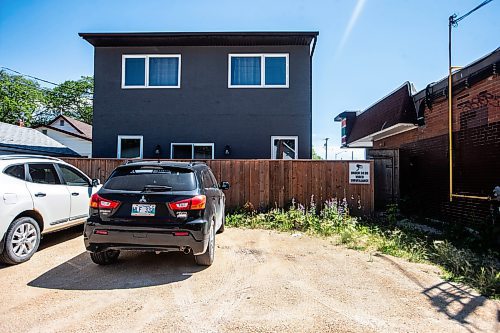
x=105 y=257
x=207 y=258
x=21 y=241
x=222 y=226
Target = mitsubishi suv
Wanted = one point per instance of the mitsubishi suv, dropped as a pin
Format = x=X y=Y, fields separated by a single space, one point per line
x=38 y=195
x=156 y=206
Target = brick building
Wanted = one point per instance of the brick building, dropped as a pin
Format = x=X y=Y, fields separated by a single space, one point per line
x=406 y=133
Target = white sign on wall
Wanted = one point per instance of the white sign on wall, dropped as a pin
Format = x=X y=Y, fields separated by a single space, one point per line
x=359 y=173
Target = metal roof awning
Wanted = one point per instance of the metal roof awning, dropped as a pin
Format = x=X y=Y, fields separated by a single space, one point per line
x=367 y=141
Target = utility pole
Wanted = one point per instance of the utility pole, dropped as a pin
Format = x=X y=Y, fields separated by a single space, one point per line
x=326 y=148
x=453 y=22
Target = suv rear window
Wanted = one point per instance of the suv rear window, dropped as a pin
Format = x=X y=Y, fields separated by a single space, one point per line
x=136 y=179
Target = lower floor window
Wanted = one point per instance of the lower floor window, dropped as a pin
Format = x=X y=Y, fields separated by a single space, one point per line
x=284 y=147
x=202 y=151
x=129 y=146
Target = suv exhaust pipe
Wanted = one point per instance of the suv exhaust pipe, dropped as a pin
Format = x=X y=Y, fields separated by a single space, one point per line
x=186 y=250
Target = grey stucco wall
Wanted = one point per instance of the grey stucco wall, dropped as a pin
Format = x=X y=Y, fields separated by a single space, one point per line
x=204 y=109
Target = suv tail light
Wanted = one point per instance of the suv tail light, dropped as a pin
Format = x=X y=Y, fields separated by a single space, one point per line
x=194 y=203
x=99 y=202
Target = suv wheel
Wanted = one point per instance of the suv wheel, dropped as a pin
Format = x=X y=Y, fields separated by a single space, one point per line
x=105 y=257
x=21 y=241
x=207 y=258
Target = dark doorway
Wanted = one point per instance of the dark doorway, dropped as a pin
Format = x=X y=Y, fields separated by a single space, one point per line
x=386 y=177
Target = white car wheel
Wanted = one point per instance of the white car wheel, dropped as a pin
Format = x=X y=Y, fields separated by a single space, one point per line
x=21 y=241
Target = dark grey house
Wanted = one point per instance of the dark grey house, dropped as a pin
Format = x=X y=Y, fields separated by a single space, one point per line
x=202 y=95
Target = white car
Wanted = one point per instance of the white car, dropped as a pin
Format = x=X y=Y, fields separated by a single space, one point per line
x=38 y=195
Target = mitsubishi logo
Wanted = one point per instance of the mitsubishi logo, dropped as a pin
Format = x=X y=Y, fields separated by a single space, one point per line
x=143 y=200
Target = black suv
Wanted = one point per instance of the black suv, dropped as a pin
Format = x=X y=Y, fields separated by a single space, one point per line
x=156 y=206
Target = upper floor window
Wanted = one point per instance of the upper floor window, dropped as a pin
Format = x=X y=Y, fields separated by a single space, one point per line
x=258 y=70
x=151 y=71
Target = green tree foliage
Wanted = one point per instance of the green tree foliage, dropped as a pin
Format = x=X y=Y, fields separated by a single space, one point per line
x=71 y=98
x=19 y=98
x=315 y=155
x=24 y=99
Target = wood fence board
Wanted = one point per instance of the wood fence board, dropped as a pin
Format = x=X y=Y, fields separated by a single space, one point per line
x=270 y=183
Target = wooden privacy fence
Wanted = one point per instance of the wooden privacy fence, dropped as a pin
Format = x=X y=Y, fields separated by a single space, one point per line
x=271 y=183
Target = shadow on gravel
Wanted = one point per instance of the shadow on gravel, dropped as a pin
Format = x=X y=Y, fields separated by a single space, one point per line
x=58 y=237
x=456 y=301
x=133 y=270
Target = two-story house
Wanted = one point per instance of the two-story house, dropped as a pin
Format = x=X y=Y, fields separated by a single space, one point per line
x=202 y=95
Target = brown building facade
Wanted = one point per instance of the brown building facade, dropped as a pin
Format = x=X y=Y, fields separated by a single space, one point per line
x=412 y=152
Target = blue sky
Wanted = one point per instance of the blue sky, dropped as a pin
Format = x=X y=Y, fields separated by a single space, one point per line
x=366 y=48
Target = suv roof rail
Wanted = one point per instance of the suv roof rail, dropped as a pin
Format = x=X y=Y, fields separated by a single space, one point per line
x=17 y=156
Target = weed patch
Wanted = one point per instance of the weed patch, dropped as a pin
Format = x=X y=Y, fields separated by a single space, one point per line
x=333 y=220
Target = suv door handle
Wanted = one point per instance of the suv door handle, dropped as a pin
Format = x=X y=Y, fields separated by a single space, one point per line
x=40 y=194
x=75 y=194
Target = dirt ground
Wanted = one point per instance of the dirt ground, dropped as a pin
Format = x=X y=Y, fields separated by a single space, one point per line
x=260 y=281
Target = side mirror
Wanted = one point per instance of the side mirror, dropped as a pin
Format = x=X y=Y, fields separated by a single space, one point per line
x=96 y=182
x=224 y=186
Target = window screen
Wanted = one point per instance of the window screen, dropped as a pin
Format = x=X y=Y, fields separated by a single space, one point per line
x=163 y=71
x=202 y=152
x=245 y=71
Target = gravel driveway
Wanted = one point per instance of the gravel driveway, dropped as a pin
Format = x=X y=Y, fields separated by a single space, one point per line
x=260 y=281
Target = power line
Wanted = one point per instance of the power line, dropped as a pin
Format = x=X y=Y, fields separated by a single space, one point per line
x=31 y=77
x=43 y=80
x=455 y=20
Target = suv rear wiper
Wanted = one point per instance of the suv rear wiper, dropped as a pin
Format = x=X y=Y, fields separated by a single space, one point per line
x=156 y=188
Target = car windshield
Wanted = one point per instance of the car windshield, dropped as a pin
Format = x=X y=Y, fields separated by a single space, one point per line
x=150 y=178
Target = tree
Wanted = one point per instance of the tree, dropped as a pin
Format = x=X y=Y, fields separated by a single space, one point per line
x=315 y=156
x=19 y=98
x=71 y=98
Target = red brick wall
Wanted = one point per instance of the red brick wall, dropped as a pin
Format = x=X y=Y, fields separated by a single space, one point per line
x=476 y=164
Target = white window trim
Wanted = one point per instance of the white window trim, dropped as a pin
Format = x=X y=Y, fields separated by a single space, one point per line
x=119 y=145
x=263 y=57
x=192 y=147
x=296 y=138
x=146 y=73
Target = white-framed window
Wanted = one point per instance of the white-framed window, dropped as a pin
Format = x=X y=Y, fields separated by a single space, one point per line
x=129 y=146
x=284 y=147
x=269 y=70
x=151 y=71
x=202 y=151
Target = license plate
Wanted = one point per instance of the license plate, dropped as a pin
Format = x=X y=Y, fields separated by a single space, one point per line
x=143 y=210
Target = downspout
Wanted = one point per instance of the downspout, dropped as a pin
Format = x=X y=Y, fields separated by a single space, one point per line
x=315 y=38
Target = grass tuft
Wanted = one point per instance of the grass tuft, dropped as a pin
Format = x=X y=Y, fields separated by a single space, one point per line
x=480 y=271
